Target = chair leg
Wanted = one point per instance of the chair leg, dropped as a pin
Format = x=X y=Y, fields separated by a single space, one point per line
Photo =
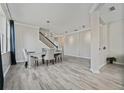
x=61 y=58
x=58 y=59
x=47 y=62
x=37 y=63
x=26 y=64
x=53 y=61
x=43 y=61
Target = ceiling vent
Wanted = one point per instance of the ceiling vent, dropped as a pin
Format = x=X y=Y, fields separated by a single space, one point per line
x=112 y=8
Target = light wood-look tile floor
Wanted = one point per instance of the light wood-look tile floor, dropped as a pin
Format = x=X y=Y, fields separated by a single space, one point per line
x=72 y=73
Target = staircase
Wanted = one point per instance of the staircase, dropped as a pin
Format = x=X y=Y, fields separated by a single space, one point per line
x=47 y=41
x=47 y=38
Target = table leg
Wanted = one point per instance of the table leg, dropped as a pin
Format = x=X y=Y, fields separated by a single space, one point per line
x=43 y=61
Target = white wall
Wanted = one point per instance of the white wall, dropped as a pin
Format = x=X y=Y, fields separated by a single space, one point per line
x=26 y=37
x=116 y=40
x=6 y=61
x=95 y=57
x=103 y=44
x=84 y=44
x=77 y=44
x=3 y=32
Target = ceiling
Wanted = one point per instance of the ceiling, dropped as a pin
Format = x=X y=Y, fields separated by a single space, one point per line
x=111 y=16
x=62 y=16
x=1 y=12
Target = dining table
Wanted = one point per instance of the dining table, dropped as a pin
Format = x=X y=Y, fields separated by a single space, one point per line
x=42 y=54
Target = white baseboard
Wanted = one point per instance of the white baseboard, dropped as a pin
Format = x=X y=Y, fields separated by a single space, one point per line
x=20 y=61
x=102 y=65
x=79 y=56
x=120 y=63
x=96 y=71
x=6 y=70
x=85 y=57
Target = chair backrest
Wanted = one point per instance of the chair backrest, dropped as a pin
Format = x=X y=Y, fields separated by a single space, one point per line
x=25 y=54
x=49 y=54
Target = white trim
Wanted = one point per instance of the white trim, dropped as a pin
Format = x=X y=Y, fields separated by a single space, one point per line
x=122 y=19
x=20 y=61
x=25 y=24
x=84 y=57
x=119 y=63
x=7 y=70
x=87 y=29
x=102 y=65
x=78 y=56
x=96 y=7
x=96 y=71
x=5 y=10
x=93 y=8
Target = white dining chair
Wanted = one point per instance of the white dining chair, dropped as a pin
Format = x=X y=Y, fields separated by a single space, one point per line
x=38 y=58
x=25 y=57
x=58 y=55
x=49 y=56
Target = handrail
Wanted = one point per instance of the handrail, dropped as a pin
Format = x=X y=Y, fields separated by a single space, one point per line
x=48 y=39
